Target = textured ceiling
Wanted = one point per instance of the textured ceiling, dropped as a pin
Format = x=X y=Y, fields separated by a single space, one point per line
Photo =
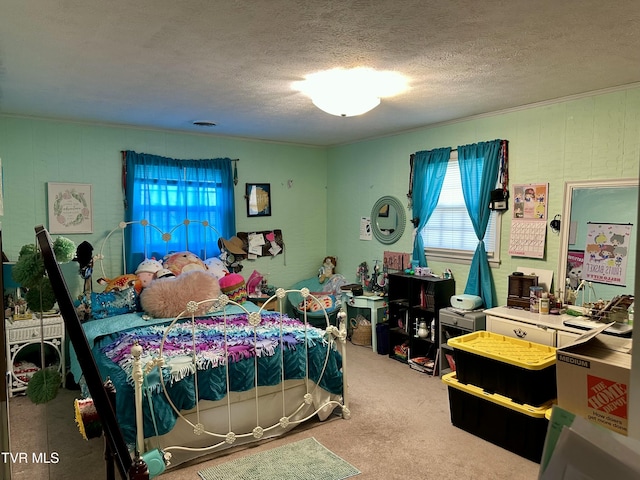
x=167 y=63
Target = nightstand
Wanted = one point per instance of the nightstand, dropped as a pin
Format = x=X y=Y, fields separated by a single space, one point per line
x=23 y=347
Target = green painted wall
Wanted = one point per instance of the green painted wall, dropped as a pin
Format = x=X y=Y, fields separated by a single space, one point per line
x=35 y=152
x=586 y=138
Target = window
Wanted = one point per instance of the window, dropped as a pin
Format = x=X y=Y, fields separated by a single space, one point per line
x=449 y=234
x=166 y=192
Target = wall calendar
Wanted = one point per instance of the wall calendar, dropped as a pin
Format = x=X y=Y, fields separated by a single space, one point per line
x=529 y=224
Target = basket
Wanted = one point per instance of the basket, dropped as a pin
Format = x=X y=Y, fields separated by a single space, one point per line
x=361 y=331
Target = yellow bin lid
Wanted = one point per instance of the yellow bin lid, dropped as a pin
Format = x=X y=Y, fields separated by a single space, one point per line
x=514 y=351
x=541 y=411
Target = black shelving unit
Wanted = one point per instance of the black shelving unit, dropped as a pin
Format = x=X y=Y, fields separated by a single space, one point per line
x=412 y=299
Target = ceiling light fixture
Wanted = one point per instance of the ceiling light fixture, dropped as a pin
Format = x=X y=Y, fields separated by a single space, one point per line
x=347 y=93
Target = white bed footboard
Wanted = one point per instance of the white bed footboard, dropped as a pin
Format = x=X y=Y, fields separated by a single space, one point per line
x=243 y=417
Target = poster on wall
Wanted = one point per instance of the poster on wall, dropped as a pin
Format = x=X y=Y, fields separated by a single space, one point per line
x=575 y=260
x=365 y=228
x=606 y=253
x=530 y=201
x=70 y=208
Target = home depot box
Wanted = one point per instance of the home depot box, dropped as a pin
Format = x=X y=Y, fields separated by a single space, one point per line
x=593 y=378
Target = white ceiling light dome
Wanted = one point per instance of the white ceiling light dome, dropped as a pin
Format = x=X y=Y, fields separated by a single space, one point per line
x=347 y=93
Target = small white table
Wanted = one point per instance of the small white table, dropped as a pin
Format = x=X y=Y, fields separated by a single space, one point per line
x=22 y=333
x=374 y=303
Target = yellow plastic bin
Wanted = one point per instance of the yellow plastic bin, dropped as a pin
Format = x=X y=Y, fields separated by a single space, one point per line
x=521 y=429
x=522 y=371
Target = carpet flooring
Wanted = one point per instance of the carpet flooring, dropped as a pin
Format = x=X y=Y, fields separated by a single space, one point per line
x=400 y=428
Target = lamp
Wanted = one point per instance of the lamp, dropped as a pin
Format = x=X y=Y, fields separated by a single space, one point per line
x=345 y=107
x=347 y=93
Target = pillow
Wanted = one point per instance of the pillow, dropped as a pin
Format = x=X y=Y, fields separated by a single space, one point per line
x=217 y=267
x=168 y=297
x=234 y=287
x=181 y=262
x=311 y=305
x=114 y=302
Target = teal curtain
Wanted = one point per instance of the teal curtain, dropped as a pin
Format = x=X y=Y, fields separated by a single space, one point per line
x=429 y=168
x=166 y=191
x=479 y=167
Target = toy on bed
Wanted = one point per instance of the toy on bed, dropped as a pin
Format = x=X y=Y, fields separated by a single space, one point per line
x=168 y=297
x=180 y=262
x=147 y=271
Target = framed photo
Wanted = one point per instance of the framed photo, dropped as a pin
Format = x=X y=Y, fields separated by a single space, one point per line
x=258 y=197
x=70 y=208
x=384 y=210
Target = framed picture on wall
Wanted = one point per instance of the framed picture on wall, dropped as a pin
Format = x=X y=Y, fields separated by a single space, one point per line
x=70 y=208
x=258 y=197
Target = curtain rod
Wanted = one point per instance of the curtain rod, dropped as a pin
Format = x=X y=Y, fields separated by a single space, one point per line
x=235 y=159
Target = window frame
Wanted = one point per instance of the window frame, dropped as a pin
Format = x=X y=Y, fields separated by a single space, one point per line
x=465 y=257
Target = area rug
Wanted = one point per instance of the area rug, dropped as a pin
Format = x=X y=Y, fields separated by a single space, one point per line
x=306 y=459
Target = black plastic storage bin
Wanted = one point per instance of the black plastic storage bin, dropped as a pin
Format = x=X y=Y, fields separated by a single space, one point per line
x=522 y=371
x=521 y=429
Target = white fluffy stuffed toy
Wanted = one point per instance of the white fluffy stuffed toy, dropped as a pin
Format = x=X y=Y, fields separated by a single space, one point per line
x=168 y=297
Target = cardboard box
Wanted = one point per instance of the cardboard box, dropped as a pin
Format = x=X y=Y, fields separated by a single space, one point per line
x=593 y=378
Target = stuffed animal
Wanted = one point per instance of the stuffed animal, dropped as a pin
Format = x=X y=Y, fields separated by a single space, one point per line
x=164 y=273
x=121 y=282
x=168 y=297
x=147 y=271
x=217 y=267
x=180 y=262
x=328 y=268
x=234 y=287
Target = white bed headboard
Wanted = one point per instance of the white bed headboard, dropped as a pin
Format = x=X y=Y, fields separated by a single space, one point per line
x=114 y=245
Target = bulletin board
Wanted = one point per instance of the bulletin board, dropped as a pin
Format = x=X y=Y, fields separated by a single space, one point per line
x=266 y=243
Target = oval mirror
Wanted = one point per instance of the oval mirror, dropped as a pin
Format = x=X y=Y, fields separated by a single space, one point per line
x=387 y=220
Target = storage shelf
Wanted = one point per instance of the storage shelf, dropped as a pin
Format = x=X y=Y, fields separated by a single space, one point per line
x=453 y=324
x=413 y=299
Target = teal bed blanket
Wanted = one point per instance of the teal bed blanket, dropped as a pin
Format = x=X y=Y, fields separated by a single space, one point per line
x=279 y=347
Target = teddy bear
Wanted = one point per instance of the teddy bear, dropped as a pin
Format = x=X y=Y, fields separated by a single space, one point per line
x=328 y=268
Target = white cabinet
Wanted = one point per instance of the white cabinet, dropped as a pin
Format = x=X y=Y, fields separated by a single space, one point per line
x=23 y=349
x=533 y=327
x=523 y=331
x=565 y=338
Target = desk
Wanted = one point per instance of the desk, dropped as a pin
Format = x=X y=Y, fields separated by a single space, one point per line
x=375 y=304
x=545 y=329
